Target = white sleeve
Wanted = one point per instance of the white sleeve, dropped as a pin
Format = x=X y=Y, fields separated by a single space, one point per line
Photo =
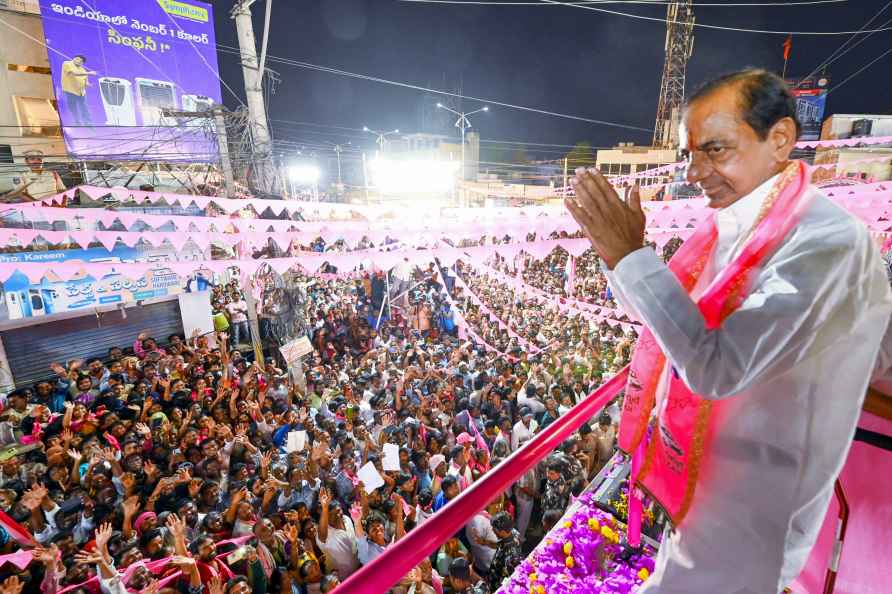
x=832 y=281
x=112 y=585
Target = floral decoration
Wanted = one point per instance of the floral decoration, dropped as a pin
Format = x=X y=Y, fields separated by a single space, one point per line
x=582 y=555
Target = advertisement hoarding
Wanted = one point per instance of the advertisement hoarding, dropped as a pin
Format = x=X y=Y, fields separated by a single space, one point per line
x=121 y=71
x=811 y=100
x=22 y=298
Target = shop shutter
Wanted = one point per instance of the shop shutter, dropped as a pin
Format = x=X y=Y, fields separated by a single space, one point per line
x=31 y=349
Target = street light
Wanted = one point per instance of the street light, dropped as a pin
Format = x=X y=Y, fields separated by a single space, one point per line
x=337 y=149
x=306 y=175
x=463 y=123
x=382 y=136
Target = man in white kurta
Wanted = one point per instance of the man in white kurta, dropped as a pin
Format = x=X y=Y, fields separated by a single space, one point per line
x=787 y=371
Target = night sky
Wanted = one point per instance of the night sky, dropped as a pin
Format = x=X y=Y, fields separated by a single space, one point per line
x=553 y=58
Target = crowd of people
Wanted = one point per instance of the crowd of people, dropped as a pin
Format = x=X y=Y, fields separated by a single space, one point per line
x=172 y=464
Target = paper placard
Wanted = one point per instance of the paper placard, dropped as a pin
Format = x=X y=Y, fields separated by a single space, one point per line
x=370 y=478
x=297 y=348
x=391 y=457
x=296 y=441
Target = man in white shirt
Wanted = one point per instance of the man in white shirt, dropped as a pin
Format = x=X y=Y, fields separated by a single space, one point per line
x=482 y=537
x=524 y=429
x=238 y=315
x=336 y=535
x=784 y=372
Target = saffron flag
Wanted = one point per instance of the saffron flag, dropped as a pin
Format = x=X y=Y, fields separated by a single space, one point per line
x=788 y=45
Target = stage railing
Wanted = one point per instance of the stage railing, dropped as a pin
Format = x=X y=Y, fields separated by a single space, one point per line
x=399 y=558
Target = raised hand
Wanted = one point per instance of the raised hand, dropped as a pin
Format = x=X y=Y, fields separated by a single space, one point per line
x=291 y=533
x=34 y=496
x=75 y=455
x=12 y=585
x=195 y=487
x=103 y=534
x=186 y=564
x=216 y=585
x=183 y=475
x=47 y=555
x=128 y=481
x=176 y=525
x=150 y=469
x=88 y=557
x=131 y=506
x=266 y=459
x=615 y=227
x=355 y=512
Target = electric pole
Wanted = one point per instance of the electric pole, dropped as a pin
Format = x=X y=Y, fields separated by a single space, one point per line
x=264 y=174
x=463 y=124
x=223 y=146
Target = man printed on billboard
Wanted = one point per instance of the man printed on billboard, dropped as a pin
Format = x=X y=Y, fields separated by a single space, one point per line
x=74 y=89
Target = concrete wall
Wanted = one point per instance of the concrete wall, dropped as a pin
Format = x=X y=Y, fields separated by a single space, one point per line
x=15 y=48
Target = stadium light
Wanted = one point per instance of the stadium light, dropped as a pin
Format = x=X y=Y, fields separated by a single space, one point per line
x=410 y=176
x=304 y=174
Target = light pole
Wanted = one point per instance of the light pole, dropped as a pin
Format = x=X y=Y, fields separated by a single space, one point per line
x=338 y=149
x=382 y=137
x=463 y=123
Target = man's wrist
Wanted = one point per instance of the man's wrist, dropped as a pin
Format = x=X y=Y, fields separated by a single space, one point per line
x=613 y=260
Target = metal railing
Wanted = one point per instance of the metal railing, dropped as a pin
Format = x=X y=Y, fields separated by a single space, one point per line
x=399 y=558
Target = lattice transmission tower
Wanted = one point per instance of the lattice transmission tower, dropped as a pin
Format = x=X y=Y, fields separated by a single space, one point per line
x=679 y=46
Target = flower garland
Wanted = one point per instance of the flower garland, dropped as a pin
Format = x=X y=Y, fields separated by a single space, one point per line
x=582 y=555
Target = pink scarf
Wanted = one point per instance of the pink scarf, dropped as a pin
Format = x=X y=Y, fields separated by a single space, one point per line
x=669 y=471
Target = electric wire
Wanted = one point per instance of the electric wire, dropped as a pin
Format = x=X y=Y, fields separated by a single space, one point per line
x=713 y=27
x=643 y=2
x=380 y=80
x=860 y=70
x=834 y=57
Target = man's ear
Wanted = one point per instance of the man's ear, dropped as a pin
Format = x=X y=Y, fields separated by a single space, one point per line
x=783 y=138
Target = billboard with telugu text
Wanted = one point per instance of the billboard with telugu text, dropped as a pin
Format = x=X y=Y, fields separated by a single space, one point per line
x=21 y=297
x=811 y=101
x=132 y=79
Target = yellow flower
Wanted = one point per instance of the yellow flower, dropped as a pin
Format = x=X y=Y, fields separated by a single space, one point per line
x=643 y=574
x=568 y=548
x=533 y=577
x=609 y=534
x=540 y=589
x=568 y=524
x=593 y=524
x=569 y=562
x=548 y=541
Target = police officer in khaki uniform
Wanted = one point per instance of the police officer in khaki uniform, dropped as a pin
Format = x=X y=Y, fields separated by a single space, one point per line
x=36 y=182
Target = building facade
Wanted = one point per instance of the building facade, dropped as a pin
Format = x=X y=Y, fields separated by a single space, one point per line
x=28 y=113
x=866 y=163
x=627 y=158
